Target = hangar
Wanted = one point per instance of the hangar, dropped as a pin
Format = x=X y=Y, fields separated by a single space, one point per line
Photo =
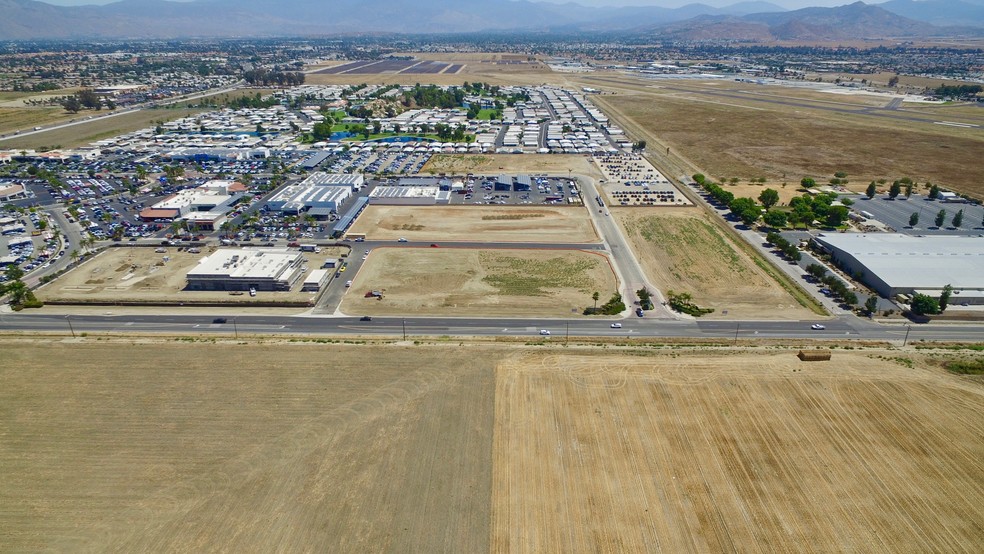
x=261 y=269
x=895 y=264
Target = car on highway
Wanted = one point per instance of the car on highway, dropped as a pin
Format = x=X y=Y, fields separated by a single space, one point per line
x=219 y=320
x=365 y=318
x=545 y=332
x=434 y=245
x=401 y=239
x=818 y=327
x=616 y=325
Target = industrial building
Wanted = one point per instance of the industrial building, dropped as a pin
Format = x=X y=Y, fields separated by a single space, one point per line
x=316 y=280
x=260 y=269
x=408 y=196
x=895 y=264
x=214 y=196
x=319 y=194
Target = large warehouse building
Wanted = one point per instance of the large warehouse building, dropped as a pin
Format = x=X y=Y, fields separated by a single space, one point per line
x=901 y=264
x=261 y=269
x=408 y=196
x=320 y=193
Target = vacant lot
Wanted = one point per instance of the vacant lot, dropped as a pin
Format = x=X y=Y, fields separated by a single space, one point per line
x=277 y=445
x=735 y=453
x=142 y=275
x=246 y=448
x=475 y=283
x=97 y=129
x=681 y=250
x=494 y=164
x=783 y=136
x=546 y=224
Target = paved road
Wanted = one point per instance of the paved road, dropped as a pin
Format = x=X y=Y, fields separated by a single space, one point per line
x=840 y=329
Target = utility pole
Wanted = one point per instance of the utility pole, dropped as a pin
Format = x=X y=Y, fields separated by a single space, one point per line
x=235 y=328
x=737 y=328
x=906 y=339
x=404 y=329
x=69 y=320
x=568 y=338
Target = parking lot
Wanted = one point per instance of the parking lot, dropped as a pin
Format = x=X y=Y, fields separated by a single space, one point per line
x=895 y=214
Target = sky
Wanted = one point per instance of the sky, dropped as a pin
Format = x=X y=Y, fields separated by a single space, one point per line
x=789 y=4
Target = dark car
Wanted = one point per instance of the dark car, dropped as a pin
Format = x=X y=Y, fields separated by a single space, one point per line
x=219 y=320
x=365 y=318
x=639 y=312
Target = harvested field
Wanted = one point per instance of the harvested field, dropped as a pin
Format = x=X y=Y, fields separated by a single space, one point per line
x=681 y=250
x=735 y=452
x=493 y=164
x=276 y=445
x=130 y=274
x=544 y=224
x=245 y=448
x=477 y=283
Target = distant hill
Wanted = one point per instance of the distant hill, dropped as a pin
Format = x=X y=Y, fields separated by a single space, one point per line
x=30 y=19
x=849 y=22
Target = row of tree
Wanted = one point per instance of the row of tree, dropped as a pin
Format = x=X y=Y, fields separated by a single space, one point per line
x=86 y=99
x=787 y=248
x=837 y=287
x=265 y=77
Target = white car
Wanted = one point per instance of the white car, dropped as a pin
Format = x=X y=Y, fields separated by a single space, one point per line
x=401 y=239
x=616 y=325
x=545 y=332
x=817 y=327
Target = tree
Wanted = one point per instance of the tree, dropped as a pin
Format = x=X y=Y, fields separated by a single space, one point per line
x=894 y=81
x=871 y=305
x=894 y=190
x=808 y=182
x=940 y=217
x=816 y=271
x=871 y=190
x=850 y=298
x=958 y=219
x=913 y=219
x=836 y=216
x=775 y=218
x=746 y=209
x=638 y=146
x=934 y=192
x=908 y=189
x=923 y=304
x=13 y=272
x=945 y=297
x=769 y=198
x=72 y=104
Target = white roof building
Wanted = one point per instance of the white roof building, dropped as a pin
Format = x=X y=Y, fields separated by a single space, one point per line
x=267 y=269
x=895 y=263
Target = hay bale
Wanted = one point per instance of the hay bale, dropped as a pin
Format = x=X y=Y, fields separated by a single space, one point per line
x=814 y=355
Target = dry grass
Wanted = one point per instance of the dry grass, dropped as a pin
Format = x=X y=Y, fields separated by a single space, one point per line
x=734 y=453
x=477 y=283
x=96 y=129
x=249 y=448
x=542 y=224
x=748 y=136
x=273 y=445
x=681 y=250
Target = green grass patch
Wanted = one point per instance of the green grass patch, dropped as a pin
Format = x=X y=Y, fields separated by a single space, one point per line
x=514 y=276
x=966 y=367
x=485 y=114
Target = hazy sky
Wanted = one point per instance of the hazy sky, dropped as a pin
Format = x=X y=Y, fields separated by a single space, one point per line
x=790 y=4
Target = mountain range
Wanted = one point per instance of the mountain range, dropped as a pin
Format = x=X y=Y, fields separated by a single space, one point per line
x=754 y=20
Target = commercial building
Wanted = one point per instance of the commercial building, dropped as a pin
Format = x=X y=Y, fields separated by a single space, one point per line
x=261 y=269
x=407 y=196
x=895 y=264
x=214 y=196
x=320 y=193
x=317 y=279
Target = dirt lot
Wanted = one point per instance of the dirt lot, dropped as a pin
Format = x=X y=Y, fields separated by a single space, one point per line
x=476 y=283
x=493 y=164
x=756 y=134
x=681 y=250
x=546 y=224
x=140 y=275
x=731 y=452
x=246 y=448
x=277 y=445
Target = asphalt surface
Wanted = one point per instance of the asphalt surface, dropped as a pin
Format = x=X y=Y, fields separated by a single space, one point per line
x=252 y=325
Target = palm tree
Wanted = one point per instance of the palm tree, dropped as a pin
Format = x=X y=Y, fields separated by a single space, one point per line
x=74 y=255
x=595 y=297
